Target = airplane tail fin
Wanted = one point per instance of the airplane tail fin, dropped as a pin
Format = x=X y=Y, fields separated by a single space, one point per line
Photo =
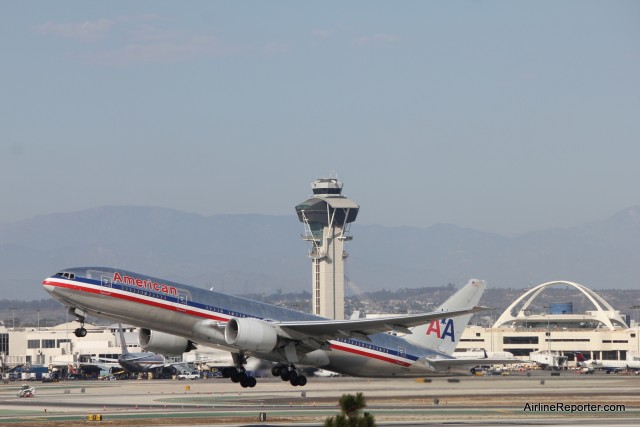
x=581 y=359
x=444 y=334
x=123 y=343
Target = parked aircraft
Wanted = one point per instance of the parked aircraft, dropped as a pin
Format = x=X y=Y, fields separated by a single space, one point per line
x=588 y=365
x=143 y=361
x=173 y=317
x=614 y=365
x=502 y=356
x=139 y=361
x=581 y=363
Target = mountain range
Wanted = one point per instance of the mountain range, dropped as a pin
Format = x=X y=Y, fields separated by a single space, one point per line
x=265 y=253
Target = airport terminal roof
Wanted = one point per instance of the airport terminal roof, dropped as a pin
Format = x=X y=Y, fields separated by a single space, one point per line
x=604 y=313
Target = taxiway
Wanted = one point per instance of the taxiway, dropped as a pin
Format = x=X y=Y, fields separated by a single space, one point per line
x=468 y=400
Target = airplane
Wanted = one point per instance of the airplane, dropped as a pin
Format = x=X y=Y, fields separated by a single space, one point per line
x=139 y=361
x=614 y=366
x=482 y=354
x=589 y=365
x=174 y=317
x=581 y=363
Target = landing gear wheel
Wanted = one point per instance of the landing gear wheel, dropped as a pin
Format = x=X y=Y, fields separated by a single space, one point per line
x=80 y=332
x=251 y=381
x=276 y=371
x=244 y=381
x=226 y=372
x=237 y=373
x=236 y=376
x=302 y=380
x=247 y=380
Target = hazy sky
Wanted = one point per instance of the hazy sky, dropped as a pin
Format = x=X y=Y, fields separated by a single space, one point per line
x=500 y=116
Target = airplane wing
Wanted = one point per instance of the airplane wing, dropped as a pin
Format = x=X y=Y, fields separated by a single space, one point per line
x=323 y=330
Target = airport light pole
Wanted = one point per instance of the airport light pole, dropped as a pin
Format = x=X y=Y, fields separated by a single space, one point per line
x=548 y=307
x=492 y=325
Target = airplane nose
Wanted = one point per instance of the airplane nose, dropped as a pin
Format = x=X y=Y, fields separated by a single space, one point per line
x=47 y=287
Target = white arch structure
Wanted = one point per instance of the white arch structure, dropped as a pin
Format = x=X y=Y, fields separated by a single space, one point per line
x=604 y=313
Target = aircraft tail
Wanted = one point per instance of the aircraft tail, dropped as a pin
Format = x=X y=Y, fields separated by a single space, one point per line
x=581 y=359
x=444 y=334
x=123 y=343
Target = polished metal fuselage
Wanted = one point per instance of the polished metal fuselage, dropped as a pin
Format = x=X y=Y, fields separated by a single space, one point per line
x=200 y=315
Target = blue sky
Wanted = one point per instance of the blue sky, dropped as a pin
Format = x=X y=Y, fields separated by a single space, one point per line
x=501 y=116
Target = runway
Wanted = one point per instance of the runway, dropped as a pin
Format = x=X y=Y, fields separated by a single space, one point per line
x=540 y=399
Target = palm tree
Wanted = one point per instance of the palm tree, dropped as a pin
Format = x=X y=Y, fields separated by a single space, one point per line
x=350 y=407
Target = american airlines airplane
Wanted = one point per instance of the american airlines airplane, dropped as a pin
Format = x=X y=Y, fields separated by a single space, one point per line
x=174 y=317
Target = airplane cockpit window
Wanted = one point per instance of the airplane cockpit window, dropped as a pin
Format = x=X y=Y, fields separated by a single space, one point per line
x=65 y=275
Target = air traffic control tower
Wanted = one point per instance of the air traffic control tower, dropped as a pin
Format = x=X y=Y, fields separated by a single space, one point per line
x=326 y=218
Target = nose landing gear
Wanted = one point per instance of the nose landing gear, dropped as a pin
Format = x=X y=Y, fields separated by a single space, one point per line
x=79 y=314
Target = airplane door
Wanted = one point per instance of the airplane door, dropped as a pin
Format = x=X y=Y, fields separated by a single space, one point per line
x=183 y=301
x=106 y=283
x=402 y=352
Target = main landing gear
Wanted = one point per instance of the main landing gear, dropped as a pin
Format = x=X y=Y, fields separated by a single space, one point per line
x=238 y=373
x=81 y=331
x=289 y=373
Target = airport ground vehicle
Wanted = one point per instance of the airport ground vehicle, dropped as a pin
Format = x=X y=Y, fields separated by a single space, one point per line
x=27 y=391
x=189 y=376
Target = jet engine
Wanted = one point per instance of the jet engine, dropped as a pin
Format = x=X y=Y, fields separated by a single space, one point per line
x=167 y=344
x=251 y=334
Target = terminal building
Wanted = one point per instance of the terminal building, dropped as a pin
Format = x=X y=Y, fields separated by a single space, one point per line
x=600 y=333
x=57 y=347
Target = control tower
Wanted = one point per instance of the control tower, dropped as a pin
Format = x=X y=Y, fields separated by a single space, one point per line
x=326 y=218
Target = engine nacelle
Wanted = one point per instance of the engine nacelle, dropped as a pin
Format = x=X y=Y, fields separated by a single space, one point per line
x=166 y=344
x=251 y=334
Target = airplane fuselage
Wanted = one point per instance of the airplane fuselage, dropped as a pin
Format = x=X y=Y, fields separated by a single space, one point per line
x=141 y=362
x=614 y=365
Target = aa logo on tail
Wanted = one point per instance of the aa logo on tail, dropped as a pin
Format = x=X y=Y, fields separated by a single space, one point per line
x=442 y=328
